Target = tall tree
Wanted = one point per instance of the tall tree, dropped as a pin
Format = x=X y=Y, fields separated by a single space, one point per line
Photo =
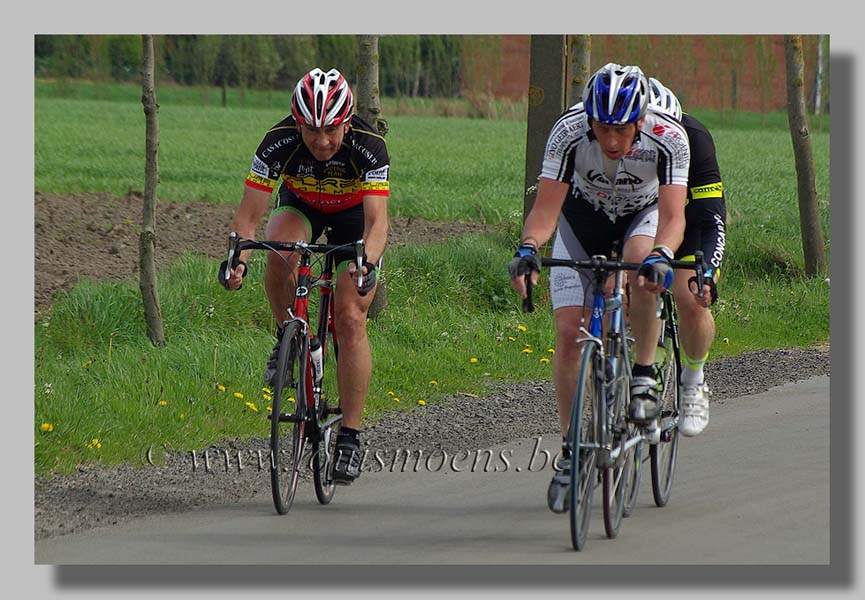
x=546 y=100
x=809 y=216
x=147 y=239
x=579 y=64
x=369 y=109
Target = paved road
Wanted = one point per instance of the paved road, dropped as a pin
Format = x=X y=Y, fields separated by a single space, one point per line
x=752 y=489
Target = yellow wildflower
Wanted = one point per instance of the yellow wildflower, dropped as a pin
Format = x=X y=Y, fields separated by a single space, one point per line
x=291 y=398
x=181 y=416
x=238 y=395
x=220 y=387
x=522 y=327
x=422 y=402
x=512 y=338
x=267 y=390
x=391 y=394
x=163 y=403
x=252 y=407
x=434 y=382
x=473 y=360
x=545 y=359
x=527 y=350
x=551 y=350
x=47 y=427
x=94 y=444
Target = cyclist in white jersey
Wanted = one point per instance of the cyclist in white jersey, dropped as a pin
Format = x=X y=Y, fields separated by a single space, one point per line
x=614 y=174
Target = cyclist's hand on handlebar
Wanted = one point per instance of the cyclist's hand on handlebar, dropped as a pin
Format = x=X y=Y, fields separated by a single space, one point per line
x=710 y=289
x=368 y=281
x=526 y=260
x=655 y=273
x=235 y=280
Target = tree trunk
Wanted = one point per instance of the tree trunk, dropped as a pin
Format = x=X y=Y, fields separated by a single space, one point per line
x=147 y=240
x=579 y=63
x=369 y=109
x=809 y=216
x=546 y=102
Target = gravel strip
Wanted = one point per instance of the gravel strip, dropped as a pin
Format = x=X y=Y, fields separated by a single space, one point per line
x=95 y=497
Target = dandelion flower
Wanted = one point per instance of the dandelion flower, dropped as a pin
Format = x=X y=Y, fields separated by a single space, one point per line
x=47 y=427
x=220 y=387
x=527 y=350
x=512 y=338
x=434 y=382
x=94 y=444
x=391 y=394
x=267 y=397
x=269 y=409
x=422 y=402
x=252 y=407
x=522 y=327
x=181 y=416
x=163 y=403
x=473 y=360
x=527 y=345
x=551 y=350
x=545 y=359
x=267 y=390
x=238 y=395
x=395 y=399
x=86 y=363
x=291 y=398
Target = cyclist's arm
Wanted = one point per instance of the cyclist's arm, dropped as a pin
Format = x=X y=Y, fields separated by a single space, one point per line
x=671 y=216
x=542 y=220
x=374 y=226
x=253 y=205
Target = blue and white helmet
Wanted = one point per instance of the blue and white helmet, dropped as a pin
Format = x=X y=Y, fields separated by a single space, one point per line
x=616 y=95
x=664 y=98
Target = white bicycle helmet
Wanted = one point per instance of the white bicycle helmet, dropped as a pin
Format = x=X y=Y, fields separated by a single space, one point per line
x=616 y=95
x=664 y=98
x=322 y=99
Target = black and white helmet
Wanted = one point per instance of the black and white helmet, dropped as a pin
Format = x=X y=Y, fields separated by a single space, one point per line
x=616 y=95
x=321 y=99
x=664 y=98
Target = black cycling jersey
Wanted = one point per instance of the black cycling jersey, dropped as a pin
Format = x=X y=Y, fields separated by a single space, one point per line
x=359 y=168
x=705 y=212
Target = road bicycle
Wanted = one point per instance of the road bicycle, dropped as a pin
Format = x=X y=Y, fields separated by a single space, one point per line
x=606 y=448
x=300 y=409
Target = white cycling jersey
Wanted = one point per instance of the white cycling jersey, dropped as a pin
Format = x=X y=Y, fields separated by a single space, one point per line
x=659 y=156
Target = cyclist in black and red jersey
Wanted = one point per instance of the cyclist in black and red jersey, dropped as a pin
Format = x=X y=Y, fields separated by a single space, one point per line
x=333 y=172
x=705 y=229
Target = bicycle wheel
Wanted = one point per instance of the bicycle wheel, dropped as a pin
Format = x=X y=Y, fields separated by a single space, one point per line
x=663 y=454
x=617 y=479
x=324 y=452
x=287 y=426
x=582 y=441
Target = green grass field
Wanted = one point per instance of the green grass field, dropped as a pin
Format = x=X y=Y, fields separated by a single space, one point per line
x=103 y=393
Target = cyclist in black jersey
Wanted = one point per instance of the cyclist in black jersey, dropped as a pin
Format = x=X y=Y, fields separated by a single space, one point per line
x=705 y=229
x=333 y=172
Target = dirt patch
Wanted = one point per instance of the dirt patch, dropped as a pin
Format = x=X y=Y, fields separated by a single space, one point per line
x=95 y=236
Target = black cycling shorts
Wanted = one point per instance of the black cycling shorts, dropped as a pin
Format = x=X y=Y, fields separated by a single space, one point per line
x=344 y=227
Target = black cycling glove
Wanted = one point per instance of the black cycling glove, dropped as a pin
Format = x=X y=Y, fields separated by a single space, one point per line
x=368 y=280
x=526 y=259
x=221 y=274
x=708 y=279
x=657 y=269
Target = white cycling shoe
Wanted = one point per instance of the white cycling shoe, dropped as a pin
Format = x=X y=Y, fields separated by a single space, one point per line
x=695 y=409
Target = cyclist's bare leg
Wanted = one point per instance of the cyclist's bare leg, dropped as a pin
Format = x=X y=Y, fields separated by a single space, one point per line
x=566 y=360
x=645 y=326
x=280 y=278
x=354 y=368
x=696 y=323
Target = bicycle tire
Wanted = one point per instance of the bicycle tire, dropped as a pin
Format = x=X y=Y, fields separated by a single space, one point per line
x=582 y=441
x=663 y=454
x=324 y=452
x=287 y=437
x=616 y=479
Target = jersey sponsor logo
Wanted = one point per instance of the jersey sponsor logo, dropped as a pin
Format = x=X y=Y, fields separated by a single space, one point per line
x=376 y=187
x=259 y=167
x=659 y=129
x=365 y=152
x=642 y=154
x=713 y=190
x=379 y=174
x=277 y=145
x=597 y=177
x=624 y=178
x=720 y=243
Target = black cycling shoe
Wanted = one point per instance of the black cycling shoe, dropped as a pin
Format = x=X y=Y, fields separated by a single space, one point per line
x=643 y=408
x=348 y=456
x=270 y=369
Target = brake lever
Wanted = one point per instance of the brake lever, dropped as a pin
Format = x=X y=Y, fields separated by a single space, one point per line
x=359 y=253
